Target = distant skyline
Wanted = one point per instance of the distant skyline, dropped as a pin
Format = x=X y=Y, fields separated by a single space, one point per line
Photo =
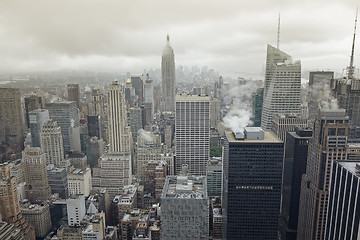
x=129 y=36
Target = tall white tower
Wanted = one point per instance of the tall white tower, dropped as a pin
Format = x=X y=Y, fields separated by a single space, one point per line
x=168 y=78
x=119 y=132
x=192 y=133
x=282 y=93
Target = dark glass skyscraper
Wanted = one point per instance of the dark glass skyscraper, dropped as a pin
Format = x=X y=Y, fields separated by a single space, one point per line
x=252 y=185
x=343 y=217
x=294 y=167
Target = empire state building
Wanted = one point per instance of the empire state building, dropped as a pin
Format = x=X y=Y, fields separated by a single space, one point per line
x=168 y=78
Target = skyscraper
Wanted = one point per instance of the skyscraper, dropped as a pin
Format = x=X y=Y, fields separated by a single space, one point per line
x=35 y=173
x=11 y=118
x=192 y=133
x=257 y=103
x=184 y=208
x=32 y=103
x=343 y=215
x=252 y=169
x=66 y=115
x=168 y=78
x=10 y=205
x=73 y=91
x=282 y=93
x=37 y=118
x=328 y=143
x=113 y=173
x=119 y=132
x=52 y=143
x=294 y=167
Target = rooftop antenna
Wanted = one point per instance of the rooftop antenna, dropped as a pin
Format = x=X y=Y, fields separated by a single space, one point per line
x=278 y=33
x=351 y=67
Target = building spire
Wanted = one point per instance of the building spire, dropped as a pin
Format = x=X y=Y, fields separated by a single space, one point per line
x=351 y=67
x=168 y=38
x=278 y=33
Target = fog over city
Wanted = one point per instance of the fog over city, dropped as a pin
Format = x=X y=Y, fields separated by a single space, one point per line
x=229 y=36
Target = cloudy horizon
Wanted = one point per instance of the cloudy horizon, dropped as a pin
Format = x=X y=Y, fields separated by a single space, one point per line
x=128 y=36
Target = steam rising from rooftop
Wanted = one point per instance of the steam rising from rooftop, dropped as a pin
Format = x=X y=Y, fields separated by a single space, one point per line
x=239 y=96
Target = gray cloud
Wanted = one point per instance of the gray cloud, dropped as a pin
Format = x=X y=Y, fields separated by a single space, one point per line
x=230 y=36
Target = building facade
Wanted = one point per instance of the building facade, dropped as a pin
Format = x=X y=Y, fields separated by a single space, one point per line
x=67 y=117
x=35 y=174
x=11 y=118
x=184 y=208
x=119 y=132
x=192 y=133
x=328 y=143
x=343 y=217
x=295 y=159
x=252 y=171
x=37 y=119
x=282 y=93
x=168 y=78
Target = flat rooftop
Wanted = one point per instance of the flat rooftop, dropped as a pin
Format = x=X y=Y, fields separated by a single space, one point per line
x=191 y=98
x=351 y=167
x=269 y=137
x=186 y=187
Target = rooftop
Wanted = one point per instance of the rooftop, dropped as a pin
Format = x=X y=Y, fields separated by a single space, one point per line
x=269 y=137
x=185 y=187
x=190 y=98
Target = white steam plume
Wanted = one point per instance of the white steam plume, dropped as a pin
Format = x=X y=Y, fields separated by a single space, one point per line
x=240 y=113
x=146 y=136
x=321 y=93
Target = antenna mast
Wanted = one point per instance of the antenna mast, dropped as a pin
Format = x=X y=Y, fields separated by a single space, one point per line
x=351 y=67
x=278 y=33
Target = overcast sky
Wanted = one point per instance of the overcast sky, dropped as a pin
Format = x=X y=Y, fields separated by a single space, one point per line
x=129 y=35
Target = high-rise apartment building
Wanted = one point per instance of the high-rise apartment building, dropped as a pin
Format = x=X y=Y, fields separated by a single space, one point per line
x=347 y=93
x=149 y=91
x=11 y=118
x=79 y=182
x=257 y=103
x=252 y=169
x=94 y=126
x=138 y=85
x=282 y=93
x=52 y=143
x=214 y=177
x=37 y=119
x=168 y=78
x=10 y=210
x=35 y=174
x=184 y=208
x=281 y=124
x=73 y=91
x=113 y=173
x=135 y=115
x=119 y=132
x=38 y=216
x=97 y=102
x=295 y=159
x=32 y=103
x=66 y=115
x=58 y=181
x=328 y=143
x=192 y=133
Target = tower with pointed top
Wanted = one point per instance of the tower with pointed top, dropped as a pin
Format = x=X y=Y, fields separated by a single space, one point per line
x=168 y=77
x=282 y=92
